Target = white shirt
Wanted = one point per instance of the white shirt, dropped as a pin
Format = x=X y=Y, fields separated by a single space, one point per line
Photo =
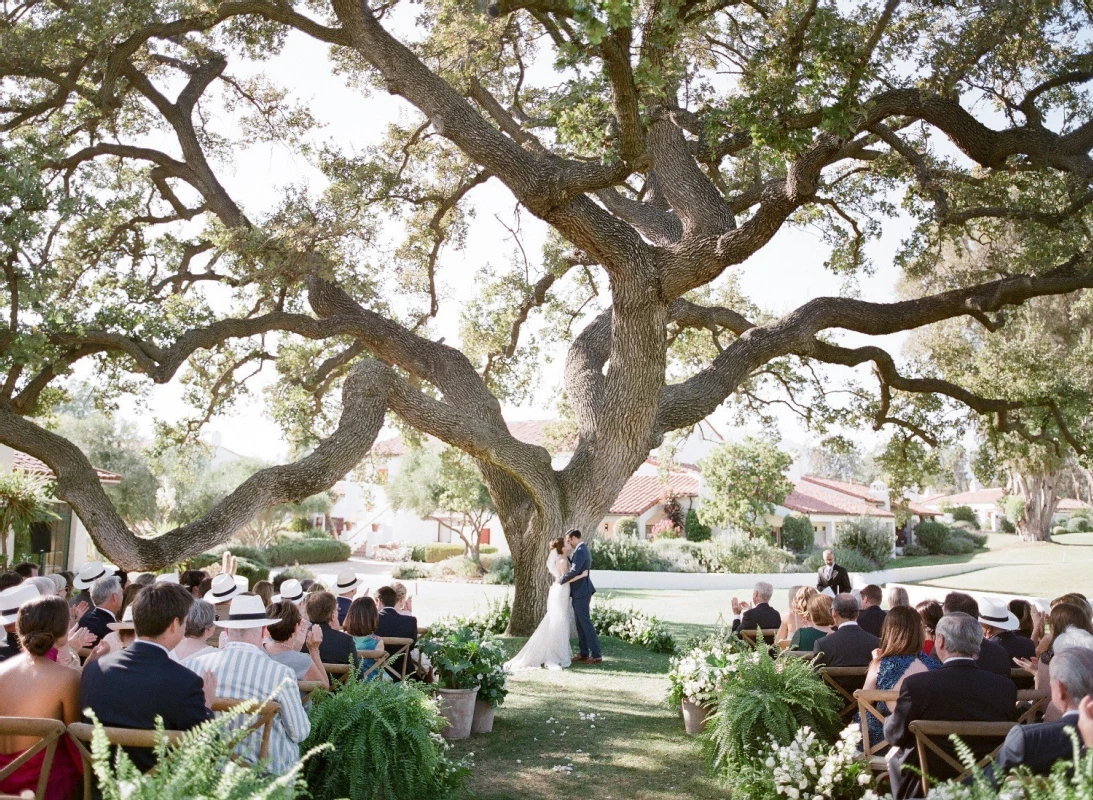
x=958 y=658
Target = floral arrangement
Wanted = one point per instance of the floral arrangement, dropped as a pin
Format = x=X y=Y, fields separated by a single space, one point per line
x=808 y=767
x=632 y=626
x=392 y=551
x=699 y=674
x=464 y=658
x=490 y=661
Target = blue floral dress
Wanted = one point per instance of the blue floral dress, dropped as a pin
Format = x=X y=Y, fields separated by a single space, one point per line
x=891 y=670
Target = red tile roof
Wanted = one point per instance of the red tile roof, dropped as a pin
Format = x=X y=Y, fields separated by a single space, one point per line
x=389 y=447
x=31 y=464
x=977 y=497
x=642 y=492
x=811 y=498
x=843 y=487
x=655 y=462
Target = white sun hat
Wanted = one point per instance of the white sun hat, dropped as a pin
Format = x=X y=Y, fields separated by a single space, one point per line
x=126 y=623
x=291 y=590
x=995 y=612
x=224 y=589
x=246 y=611
x=91 y=572
x=347 y=582
x=170 y=577
x=12 y=598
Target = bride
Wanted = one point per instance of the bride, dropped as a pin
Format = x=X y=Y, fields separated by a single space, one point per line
x=549 y=645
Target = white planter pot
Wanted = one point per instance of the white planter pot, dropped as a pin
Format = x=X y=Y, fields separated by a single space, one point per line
x=483 y=717
x=695 y=717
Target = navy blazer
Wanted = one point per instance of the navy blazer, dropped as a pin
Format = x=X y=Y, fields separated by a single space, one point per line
x=96 y=621
x=579 y=561
x=1037 y=747
x=399 y=626
x=131 y=688
x=871 y=619
x=762 y=616
x=10 y=646
x=846 y=646
x=343 y=609
x=1015 y=644
x=337 y=647
x=993 y=657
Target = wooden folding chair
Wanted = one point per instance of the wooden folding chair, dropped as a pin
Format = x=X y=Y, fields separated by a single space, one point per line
x=1022 y=678
x=845 y=681
x=867 y=707
x=339 y=673
x=264 y=716
x=306 y=688
x=399 y=663
x=927 y=732
x=768 y=634
x=1038 y=700
x=82 y=733
x=48 y=732
x=379 y=656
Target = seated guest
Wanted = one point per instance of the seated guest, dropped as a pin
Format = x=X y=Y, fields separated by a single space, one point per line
x=33 y=685
x=122 y=634
x=871 y=616
x=931 y=612
x=244 y=672
x=306 y=584
x=897 y=596
x=760 y=614
x=106 y=595
x=291 y=591
x=1085 y=721
x=9 y=579
x=87 y=575
x=222 y=591
x=992 y=656
x=405 y=603
x=264 y=589
x=144 y=579
x=191 y=581
x=848 y=645
x=818 y=622
x=335 y=646
x=1022 y=609
x=798 y=613
x=200 y=627
x=361 y=623
x=288 y=635
x=392 y=624
x=959 y=691
x=128 y=594
x=899 y=656
x=345 y=587
x=26 y=569
x=129 y=689
x=999 y=625
x=10 y=601
x=1038 y=747
x=1064 y=617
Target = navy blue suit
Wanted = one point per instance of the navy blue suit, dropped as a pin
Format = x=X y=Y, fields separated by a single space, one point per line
x=1036 y=747
x=580 y=594
x=96 y=621
x=343 y=609
x=131 y=688
x=398 y=626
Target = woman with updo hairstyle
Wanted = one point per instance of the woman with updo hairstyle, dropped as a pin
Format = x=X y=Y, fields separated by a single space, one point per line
x=32 y=684
x=930 y=612
x=817 y=623
x=798 y=613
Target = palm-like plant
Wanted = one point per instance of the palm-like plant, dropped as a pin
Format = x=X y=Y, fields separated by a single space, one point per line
x=24 y=500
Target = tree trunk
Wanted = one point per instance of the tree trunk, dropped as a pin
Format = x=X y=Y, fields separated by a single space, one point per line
x=1040 y=503
x=532 y=584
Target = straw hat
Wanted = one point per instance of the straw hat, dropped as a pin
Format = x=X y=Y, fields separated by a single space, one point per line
x=91 y=572
x=224 y=589
x=247 y=611
x=347 y=582
x=291 y=590
x=14 y=597
x=996 y=613
x=126 y=623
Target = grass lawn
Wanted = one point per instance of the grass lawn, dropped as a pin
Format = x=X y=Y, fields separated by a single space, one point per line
x=635 y=747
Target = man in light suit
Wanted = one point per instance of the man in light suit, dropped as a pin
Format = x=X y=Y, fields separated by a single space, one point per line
x=848 y=645
x=832 y=576
x=581 y=596
x=1038 y=747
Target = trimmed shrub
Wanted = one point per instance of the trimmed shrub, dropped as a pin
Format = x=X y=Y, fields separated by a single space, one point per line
x=627 y=526
x=933 y=536
x=684 y=556
x=963 y=525
x=693 y=528
x=459 y=567
x=1005 y=526
x=626 y=554
x=1059 y=530
x=976 y=538
x=1078 y=525
x=410 y=572
x=871 y=538
x=307 y=551
x=915 y=550
x=256 y=554
x=316 y=533
x=435 y=552
x=746 y=555
x=798 y=535
x=295 y=571
x=852 y=560
x=965 y=514
x=202 y=560
x=500 y=571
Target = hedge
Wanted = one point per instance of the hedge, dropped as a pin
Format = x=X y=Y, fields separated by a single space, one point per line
x=435 y=552
x=307 y=551
x=253 y=571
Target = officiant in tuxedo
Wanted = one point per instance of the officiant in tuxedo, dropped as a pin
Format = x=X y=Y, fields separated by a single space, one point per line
x=832 y=576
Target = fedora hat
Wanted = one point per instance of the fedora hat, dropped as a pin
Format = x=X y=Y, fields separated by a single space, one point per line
x=246 y=611
x=224 y=589
x=12 y=598
x=996 y=613
x=347 y=582
x=91 y=572
x=291 y=590
x=126 y=623
x=170 y=577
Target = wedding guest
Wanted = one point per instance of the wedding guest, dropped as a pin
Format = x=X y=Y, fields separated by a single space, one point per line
x=899 y=656
x=264 y=589
x=122 y=634
x=9 y=579
x=106 y=595
x=871 y=616
x=897 y=596
x=336 y=647
x=1085 y=720
x=797 y=617
x=760 y=614
x=959 y=691
x=144 y=579
x=1022 y=609
x=392 y=624
x=848 y=645
x=1000 y=626
x=931 y=612
x=26 y=569
x=86 y=577
x=191 y=581
x=832 y=576
x=1038 y=747
x=221 y=592
x=33 y=685
x=361 y=623
x=11 y=599
x=45 y=585
x=1064 y=618
x=292 y=644
x=992 y=656
x=129 y=593
x=345 y=588
x=134 y=687
x=244 y=671
x=306 y=584
x=405 y=603
x=200 y=627
x=818 y=622
x=292 y=591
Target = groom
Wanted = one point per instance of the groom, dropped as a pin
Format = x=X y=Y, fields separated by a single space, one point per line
x=581 y=595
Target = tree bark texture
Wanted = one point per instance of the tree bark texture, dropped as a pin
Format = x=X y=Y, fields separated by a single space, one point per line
x=1040 y=504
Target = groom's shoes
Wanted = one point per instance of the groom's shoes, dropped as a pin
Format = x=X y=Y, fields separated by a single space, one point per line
x=581 y=659
x=593 y=660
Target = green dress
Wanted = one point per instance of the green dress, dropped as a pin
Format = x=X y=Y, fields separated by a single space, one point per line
x=805 y=638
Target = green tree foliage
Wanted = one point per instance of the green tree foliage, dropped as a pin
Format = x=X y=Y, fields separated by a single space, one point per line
x=745 y=482
x=965 y=514
x=693 y=528
x=868 y=536
x=797 y=533
x=24 y=500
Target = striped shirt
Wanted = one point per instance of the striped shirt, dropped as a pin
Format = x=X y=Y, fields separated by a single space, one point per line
x=245 y=672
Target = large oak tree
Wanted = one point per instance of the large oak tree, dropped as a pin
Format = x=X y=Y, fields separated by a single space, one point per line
x=663 y=142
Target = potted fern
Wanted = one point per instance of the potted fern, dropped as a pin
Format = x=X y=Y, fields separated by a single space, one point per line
x=452 y=656
x=490 y=663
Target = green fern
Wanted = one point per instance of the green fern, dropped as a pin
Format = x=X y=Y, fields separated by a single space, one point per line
x=386 y=745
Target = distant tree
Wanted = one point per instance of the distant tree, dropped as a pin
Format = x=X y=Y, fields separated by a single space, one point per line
x=798 y=534
x=693 y=528
x=841 y=459
x=746 y=481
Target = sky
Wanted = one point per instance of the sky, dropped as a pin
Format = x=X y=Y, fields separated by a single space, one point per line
x=784 y=274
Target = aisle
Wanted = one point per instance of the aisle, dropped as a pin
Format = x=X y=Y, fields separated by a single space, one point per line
x=599 y=732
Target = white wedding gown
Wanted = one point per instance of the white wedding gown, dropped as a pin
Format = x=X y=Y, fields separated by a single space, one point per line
x=549 y=645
